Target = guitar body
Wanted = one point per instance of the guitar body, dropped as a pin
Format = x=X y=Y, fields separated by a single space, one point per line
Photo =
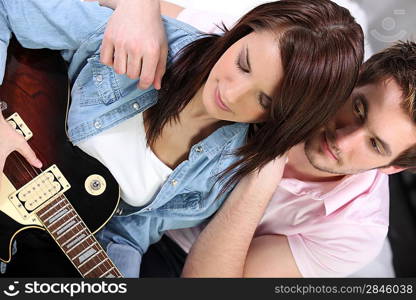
x=36 y=87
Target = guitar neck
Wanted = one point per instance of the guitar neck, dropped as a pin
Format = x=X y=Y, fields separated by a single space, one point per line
x=75 y=239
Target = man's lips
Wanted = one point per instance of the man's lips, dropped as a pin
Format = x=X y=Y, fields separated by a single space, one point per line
x=327 y=148
x=219 y=101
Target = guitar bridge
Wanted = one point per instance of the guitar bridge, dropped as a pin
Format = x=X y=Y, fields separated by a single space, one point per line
x=41 y=189
x=20 y=126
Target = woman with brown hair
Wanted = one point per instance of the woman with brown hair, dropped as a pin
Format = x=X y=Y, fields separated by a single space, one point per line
x=230 y=104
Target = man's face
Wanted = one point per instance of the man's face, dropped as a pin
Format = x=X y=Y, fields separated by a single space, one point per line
x=368 y=132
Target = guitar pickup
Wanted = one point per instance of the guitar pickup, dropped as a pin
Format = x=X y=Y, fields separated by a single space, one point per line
x=20 y=126
x=44 y=187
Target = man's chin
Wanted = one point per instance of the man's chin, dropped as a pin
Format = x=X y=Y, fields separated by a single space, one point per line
x=319 y=162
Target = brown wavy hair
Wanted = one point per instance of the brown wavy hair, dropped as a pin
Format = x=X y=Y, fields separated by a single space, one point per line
x=321 y=49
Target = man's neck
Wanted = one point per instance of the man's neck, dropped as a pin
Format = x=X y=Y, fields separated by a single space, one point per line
x=300 y=168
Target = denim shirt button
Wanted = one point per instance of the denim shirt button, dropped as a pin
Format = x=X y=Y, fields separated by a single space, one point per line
x=99 y=78
x=199 y=149
x=173 y=182
x=97 y=124
x=119 y=211
x=136 y=106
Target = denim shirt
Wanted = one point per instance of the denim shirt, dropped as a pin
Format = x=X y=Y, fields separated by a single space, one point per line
x=101 y=99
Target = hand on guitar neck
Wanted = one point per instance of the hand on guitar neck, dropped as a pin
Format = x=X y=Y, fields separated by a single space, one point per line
x=11 y=140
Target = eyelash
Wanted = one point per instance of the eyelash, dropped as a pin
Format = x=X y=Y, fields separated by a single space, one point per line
x=237 y=63
x=240 y=68
x=374 y=145
x=357 y=111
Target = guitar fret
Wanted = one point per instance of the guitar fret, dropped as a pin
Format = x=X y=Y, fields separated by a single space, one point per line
x=56 y=226
x=85 y=274
x=56 y=217
x=81 y=244
x=106 y=273
x=67 y=235
x=70 y=228
x=84 y=250
x=53 y=206
x=100 y=257
x=64 y=226
x=89 y=258
x=79 y=235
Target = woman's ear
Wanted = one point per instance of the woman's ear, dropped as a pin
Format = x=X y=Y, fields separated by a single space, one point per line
x=392 y=170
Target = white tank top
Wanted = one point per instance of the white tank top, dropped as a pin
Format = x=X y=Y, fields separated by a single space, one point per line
x=123 y=150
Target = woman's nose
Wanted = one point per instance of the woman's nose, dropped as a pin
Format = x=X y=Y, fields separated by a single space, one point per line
x=236 y=91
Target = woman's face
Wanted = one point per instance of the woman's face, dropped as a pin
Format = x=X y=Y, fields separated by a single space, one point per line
x=240 y=85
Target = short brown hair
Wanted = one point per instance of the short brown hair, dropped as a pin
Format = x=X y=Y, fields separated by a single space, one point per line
x=397 y=62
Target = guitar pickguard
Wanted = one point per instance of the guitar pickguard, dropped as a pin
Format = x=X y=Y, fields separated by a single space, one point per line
x=7 y=189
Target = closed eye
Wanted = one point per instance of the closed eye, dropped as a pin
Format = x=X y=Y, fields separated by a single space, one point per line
x=265 y=101
x=242 y=64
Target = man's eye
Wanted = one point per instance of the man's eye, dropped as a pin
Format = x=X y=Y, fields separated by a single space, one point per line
x=358 y=109
x=375 y=145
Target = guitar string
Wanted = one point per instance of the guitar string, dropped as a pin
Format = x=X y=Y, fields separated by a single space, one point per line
x=31 y=176
x=22 y=164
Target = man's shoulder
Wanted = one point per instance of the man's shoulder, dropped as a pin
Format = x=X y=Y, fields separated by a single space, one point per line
x=364 y=199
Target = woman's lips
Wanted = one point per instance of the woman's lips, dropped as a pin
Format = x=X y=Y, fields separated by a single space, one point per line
x=219 y=101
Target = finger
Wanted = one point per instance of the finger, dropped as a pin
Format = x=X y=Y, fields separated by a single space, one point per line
x=147 y=75
x=29 y=155
x=120 y=61
x=2 y=160
x=1 y=115
x=160 y=70
x=107 y=53
x=134 y=65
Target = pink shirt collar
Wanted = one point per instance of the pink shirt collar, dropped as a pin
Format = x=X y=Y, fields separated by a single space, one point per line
x=334 y=194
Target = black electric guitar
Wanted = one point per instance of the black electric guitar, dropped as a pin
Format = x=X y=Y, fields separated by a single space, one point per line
x=73 y=195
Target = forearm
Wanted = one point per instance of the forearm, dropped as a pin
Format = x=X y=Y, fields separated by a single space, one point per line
x=222 y=247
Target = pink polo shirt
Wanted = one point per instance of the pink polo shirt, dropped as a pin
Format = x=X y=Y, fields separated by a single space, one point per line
x=333 y=228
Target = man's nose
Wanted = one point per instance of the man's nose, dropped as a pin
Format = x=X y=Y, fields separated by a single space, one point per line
x=350 y=136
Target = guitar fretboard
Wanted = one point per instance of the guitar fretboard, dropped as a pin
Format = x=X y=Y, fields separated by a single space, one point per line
x=75 y=239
